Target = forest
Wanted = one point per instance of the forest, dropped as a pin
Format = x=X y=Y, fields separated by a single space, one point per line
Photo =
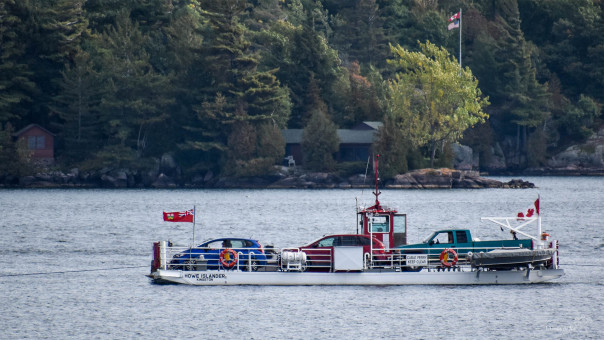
x=213 y=82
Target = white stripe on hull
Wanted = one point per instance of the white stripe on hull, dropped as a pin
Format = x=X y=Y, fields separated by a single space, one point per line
x=221 y=278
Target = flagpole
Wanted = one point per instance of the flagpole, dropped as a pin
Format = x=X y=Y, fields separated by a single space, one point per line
x=539 y=229
x=460 y=15
x=193 y=226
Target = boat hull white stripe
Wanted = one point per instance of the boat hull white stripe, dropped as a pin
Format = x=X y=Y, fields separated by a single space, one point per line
x=220 y=278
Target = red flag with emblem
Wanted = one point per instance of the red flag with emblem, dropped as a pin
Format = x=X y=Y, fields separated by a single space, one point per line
x=179 y=216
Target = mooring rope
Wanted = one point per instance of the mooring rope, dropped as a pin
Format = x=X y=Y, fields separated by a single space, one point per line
x=72 y=271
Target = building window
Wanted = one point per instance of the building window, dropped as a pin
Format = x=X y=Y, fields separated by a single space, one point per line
x=35 y=142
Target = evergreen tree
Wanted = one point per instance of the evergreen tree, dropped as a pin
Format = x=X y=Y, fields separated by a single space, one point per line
x=363 y=20
x=181 y=53
x=578 y=120
x=58 y=28
x=319 y=143
x=137 y=97
x=392 y=146
x=503 y=59
x=398 y=19
x=16 y=85
x=64 y=28
x=103 y=13
x=358 y=99
x=15 y=158
x=571 y=37
x=77 y=106
x=304 y=60
x=524 y=97
x=240 y=98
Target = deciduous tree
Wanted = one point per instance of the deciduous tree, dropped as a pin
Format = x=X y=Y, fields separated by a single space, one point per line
x=432 y=101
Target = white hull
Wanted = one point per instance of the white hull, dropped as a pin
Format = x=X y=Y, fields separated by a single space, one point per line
x=424 y=277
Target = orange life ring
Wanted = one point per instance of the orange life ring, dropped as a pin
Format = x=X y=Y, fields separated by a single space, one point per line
x=444 y=257
x=228 y=258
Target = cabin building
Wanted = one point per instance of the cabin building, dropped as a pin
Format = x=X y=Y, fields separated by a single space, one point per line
x=355 y=143
x=39 y=141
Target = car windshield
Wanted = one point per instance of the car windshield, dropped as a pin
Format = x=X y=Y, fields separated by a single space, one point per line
x=326 y=242
x=427 y=239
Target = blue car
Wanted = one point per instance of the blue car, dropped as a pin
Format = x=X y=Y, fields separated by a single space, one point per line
x=222 y=253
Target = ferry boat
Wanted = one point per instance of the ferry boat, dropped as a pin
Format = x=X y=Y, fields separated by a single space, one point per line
x=346 y=260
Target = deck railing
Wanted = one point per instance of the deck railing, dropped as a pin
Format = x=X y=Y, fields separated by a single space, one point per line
x=295 y=259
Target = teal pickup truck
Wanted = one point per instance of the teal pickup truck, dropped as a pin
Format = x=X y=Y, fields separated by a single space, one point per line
x=460 y=240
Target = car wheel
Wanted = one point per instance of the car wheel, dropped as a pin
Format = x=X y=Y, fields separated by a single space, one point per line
x=412 y=269
x=189 y=265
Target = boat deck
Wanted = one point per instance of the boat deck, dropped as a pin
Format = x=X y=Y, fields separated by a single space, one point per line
x=341 y=266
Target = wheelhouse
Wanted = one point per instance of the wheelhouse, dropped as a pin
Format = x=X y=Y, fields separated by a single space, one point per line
x=383 y=223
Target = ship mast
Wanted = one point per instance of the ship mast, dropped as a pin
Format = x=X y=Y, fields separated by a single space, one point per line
x=377 y=190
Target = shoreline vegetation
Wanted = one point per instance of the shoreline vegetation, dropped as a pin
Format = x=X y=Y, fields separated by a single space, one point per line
x=219 y=85
x=285 y=179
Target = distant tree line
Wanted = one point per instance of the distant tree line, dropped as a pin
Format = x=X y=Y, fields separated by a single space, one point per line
x=213 y=82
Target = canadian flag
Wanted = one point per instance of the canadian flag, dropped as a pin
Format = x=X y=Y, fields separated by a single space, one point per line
x=531 y=211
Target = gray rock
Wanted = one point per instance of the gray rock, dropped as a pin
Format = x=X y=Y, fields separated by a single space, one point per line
x=464 y=183
x=496 y=159
x=463 y=157
x=163 y=181
x=404 y=181
x=26 y=180
x=361 y=181
x=167 y=165
x=208 y=176
x=487 y=182
x=317 y=177
x=108 y=181
x=287 y=183
x=584 y=156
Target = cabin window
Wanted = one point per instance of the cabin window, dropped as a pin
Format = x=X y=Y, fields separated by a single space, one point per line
x=399 y=223
x=35 y=142
x=380 y=224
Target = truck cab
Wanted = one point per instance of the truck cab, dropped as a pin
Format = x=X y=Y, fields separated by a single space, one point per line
x=461 y=241
x=450 y=238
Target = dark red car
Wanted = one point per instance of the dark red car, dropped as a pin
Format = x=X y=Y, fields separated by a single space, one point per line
x=319 y=254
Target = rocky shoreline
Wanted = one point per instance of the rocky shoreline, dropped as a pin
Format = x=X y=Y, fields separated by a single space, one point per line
x=586 y=159
x=285 y=179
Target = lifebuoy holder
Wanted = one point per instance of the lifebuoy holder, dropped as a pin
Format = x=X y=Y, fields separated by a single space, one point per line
x=446 y=255
x=228 y=258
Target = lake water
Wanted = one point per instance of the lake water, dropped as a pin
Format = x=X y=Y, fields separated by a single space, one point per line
x=72 y=265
